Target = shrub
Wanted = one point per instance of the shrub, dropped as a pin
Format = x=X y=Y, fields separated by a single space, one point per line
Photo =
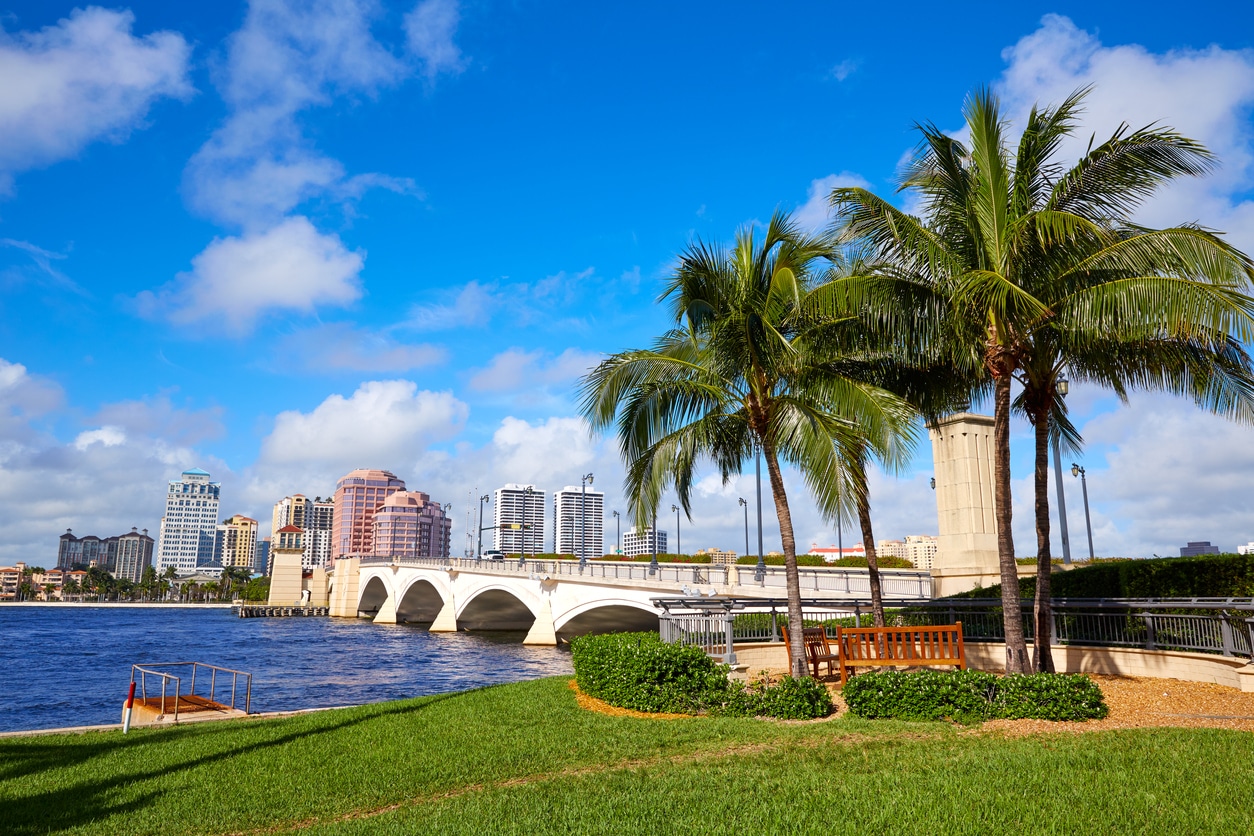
x=641 y=672
x=1213 y=576
x=966 y=695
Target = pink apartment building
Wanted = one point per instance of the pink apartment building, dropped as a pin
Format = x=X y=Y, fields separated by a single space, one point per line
x=357 y=496
x=409 y=524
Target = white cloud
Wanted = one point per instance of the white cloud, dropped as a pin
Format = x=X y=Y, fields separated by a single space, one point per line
x=474 y=304
x=236 y=280
x=430 y=28
x=158 y=417
x=83 y=79
x=844 y=69
x=516 y=369
x=342 y=347
x=1206 y=94
x=815 y=213
x=106 y=436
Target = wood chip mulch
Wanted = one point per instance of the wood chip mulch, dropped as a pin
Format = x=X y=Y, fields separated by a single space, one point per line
x=601 y=707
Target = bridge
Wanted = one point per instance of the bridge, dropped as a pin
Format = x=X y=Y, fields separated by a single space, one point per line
x=559 y=599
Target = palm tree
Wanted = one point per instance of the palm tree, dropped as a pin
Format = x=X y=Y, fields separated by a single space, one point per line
x=1034 y=263
x=743 y=372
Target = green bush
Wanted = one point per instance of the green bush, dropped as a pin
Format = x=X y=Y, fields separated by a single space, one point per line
x=1208 y=576
x=641 y=672
x=968 y=695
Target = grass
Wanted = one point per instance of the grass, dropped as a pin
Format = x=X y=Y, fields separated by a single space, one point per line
x=524 y=759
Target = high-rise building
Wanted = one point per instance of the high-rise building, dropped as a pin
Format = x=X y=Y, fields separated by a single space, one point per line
x=921 y=550
x=409 y=524
x=519 y=519
x=637 y=543
x=263 y=555
x=190 y=522
x=315 y=517
x=719 y=557
x=357 y=496
x=235 y=545
x=578 y=520
x=134 y=555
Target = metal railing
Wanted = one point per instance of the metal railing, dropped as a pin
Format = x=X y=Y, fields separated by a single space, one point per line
x=169 y=679
x=705 y=578
x=1218 y=626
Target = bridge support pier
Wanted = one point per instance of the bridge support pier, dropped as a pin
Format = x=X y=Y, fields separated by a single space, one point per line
x=387 y=612
x=347 y=578
x=542 y=631
x=446 y=621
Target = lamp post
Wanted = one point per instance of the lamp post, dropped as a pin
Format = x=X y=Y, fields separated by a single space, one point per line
x=479 y=548
x=1076 y=470
x=678 y=547
x=448 y=506
x=1062 y=387
x=745 y=505
x=584 y=482
x=653 y=562
x=759 y=573
x=618 y=533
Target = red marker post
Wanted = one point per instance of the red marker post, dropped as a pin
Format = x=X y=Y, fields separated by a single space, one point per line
x=130 y=704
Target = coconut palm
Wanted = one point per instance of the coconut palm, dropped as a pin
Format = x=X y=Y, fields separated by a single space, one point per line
x=1028 y=258
x=744 y=372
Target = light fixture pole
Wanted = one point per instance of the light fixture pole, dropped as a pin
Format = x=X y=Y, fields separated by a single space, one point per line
x=653 y=562
x=1076 y=470
x=448 y=506
x=583 y=521
x=759 y=574
x=487 y=497
x=1061 y=386
x=618 y=533
x=678 y=547
x=745 y=505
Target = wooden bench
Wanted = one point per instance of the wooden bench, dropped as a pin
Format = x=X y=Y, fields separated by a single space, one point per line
x=817 y=650
x=874 y=647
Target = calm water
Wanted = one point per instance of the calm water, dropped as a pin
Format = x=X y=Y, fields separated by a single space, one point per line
x=70 y=666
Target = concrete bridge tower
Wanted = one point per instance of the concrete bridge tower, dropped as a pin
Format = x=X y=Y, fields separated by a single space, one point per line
x=962 y=452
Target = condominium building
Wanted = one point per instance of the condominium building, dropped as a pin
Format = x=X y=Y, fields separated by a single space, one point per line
x=86 y=551
x=716 y=556
x=316 y=517
x=519 y=519
x=921 y=550
x=578 y=521
x=357 y=496
x=235 y=545
x=263 y=555
x=409 y=524
x=190 y=523
x=638 y=543
x=891 y=548
x=134 y=555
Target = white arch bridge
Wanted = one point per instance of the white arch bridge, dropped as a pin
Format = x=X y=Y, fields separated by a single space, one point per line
x=557 y=599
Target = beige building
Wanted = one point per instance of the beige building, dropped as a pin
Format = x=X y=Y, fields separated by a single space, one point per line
x=236 y=545
x=919 y=549
x=717 y=556
x=315 y=517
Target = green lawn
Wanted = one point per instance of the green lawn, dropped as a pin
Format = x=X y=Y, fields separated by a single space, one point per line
x=524 y=759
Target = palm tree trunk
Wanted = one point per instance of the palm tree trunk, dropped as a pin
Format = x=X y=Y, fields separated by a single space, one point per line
x=868 y=543
x=1016 y=647
x=796 y=642
x=1042 y=656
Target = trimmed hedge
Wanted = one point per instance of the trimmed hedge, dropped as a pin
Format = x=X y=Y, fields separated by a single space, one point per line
x=1208 y=576
x=974 y=695
x=641 y=672
x=885 y=561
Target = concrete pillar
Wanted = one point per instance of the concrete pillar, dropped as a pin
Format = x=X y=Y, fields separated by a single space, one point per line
x=962 y=452
x=446 y=621
x=387 y=612
x=285 y=580
x=347 y=583
x=318 y=588
x=542 y=631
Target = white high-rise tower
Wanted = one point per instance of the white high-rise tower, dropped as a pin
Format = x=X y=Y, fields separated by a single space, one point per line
x=190 y=522
x=578 y=519
x=519 y=519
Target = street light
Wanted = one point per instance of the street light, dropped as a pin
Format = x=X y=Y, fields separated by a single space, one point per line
x=1076 y=470
x=448 y=506
x=745 y=505
x=678 y=548
x=618 y=533
x=1061 y=386
x=479 y=549
x=653 y=562
x=584 y=482
x=759 y=574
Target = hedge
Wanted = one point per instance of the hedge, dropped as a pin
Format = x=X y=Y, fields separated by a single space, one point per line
x=641 y=672
x=1209 y=576
x=973 y=695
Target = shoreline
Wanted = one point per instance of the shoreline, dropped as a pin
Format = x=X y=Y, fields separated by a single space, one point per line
x=151 y=605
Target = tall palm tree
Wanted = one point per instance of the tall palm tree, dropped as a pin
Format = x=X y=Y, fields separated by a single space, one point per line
x=1028 y=257
x=744 y=372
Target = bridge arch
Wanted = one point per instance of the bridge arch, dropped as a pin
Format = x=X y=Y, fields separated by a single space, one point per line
x=496 y=608
x=420 y=603
x=374 y=594
x=607 y=615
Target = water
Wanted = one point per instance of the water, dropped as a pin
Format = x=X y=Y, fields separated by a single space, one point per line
x=71 y=666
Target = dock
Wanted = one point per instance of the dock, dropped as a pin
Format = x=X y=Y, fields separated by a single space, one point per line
x=267 y=611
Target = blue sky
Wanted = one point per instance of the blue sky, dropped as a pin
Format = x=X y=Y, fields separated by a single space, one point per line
x=232 y=234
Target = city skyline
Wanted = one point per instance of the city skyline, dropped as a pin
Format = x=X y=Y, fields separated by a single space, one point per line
x=246 y=204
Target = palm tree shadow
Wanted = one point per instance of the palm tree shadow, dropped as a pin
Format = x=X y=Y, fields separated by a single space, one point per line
x=92 y=800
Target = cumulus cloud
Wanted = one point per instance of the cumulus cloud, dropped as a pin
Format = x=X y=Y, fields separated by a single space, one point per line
x=815 y=213
x=516 y=369
x=238 y=279
x=1206 y=94
x=157 y=416
x=430 y=28
x=342 y=347
x=83 y=79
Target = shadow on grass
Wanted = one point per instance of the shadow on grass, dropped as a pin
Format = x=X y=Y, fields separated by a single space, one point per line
x=89 y=801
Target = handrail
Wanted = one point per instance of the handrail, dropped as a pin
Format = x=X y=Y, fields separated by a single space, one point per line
x=214 y=670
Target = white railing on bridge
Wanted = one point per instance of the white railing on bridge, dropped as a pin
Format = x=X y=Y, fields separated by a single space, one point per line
x=897 y=584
